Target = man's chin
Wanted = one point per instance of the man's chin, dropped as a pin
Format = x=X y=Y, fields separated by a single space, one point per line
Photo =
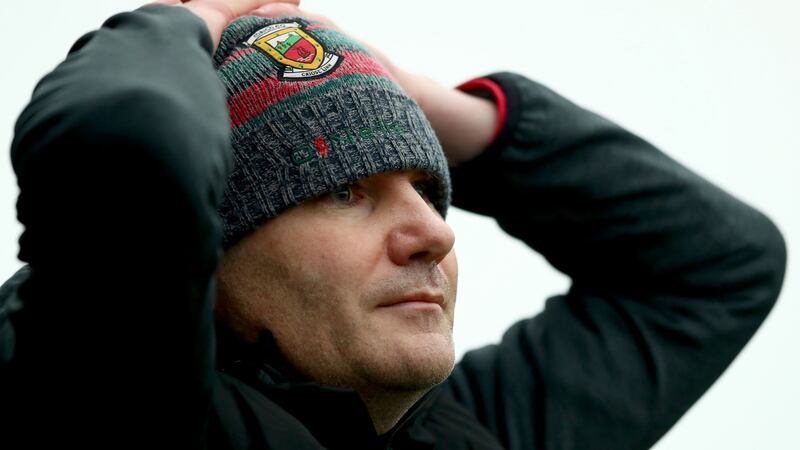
x=416 y=362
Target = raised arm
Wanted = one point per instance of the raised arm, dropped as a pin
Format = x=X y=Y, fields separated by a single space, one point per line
x=120 y=156
x=671 y=277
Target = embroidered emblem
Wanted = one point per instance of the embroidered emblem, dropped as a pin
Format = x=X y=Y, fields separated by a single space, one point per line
x=322 y=146
x=301 y=56
x=326 y=144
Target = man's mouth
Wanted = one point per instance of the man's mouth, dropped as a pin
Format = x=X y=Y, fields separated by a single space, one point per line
x=421 y=299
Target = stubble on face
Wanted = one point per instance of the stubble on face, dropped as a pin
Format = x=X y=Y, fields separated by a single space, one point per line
x=326 y=279
x=328 y=326
x=337 y=335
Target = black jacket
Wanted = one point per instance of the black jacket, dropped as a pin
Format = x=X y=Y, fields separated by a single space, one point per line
x=107 y=337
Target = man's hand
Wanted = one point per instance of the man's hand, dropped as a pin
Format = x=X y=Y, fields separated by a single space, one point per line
x=217 y=14
x=463 y=123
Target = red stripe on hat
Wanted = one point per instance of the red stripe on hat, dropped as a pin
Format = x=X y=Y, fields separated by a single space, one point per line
x=260 y=96
x=237 y=55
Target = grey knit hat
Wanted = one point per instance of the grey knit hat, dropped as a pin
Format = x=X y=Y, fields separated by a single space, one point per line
x=312 y=110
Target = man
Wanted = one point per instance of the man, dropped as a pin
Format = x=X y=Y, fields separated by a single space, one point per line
x=337 y=283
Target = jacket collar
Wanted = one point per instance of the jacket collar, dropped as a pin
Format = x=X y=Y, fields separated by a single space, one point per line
x=337 y=417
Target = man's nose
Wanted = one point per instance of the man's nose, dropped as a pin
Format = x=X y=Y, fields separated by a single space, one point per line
x=418 y=233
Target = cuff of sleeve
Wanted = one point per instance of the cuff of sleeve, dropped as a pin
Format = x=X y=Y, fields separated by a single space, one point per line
x=486 y=88
x=500 y=87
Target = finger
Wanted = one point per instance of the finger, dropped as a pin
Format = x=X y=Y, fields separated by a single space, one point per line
x=230 y=10
x=277 y=9
x=241 y=8
x=285 y=9
x=165 y=2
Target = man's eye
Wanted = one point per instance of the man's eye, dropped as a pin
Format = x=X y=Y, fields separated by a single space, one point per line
x=342 y=194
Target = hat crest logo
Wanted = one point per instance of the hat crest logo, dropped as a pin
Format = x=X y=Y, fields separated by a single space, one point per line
x=298 y=53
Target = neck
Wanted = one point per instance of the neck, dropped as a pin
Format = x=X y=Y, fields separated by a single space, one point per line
x=387 y=408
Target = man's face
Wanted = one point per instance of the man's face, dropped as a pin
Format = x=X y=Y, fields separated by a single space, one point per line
x=357 y=286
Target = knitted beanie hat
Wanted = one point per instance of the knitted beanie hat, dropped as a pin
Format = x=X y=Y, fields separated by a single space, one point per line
x=312 y=110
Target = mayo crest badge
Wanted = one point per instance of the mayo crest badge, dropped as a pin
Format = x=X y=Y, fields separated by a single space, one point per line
x=300 y=54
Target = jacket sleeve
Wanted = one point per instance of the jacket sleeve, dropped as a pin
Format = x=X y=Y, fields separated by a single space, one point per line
x=670 y=278
x=121 y=158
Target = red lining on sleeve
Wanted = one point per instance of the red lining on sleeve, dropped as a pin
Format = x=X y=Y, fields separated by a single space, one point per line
x=485 y=84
